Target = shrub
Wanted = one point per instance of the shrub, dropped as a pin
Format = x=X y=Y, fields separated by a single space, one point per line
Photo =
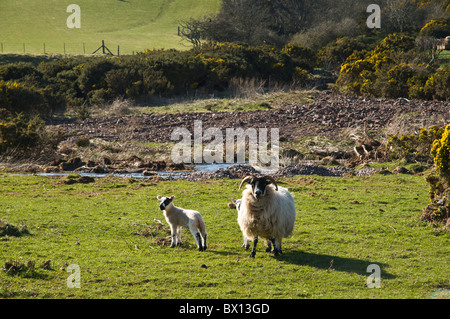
x=392 y=69
x=438 y=210
x=17 y=97
x=415 y=147
x=303 y=57
x=93 y=75
x=441 y=152
x=16 y=71
x=336 y=52
x=438 y=84
x=19 y=133
x=436 y=28
x=77 y=81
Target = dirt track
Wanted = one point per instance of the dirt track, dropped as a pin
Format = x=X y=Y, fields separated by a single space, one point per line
x=328 y=114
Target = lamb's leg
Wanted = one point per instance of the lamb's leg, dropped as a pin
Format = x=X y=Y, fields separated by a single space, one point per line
x=179 y=235
x=197 y=237
x=173 y=232
x=204 y=235
x=246 y=244
x=255 y=242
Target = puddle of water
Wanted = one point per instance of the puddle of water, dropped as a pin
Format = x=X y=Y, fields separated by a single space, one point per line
x=209 y=168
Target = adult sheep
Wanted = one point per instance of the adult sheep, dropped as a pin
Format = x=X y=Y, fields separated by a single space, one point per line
x=267 y=211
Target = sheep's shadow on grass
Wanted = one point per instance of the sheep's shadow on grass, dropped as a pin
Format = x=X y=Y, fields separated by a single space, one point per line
x=333 y=263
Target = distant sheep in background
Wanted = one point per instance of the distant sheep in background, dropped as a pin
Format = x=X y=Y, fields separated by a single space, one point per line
x=179 y=217
x=266 y=211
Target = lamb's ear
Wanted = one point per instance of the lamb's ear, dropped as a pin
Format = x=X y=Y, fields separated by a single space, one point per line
x=158 y=197
x=172 y=197
x=233 y=201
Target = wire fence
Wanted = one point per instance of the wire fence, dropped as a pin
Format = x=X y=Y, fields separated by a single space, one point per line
x=66 y=48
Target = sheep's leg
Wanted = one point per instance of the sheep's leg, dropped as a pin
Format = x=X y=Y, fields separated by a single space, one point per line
x=255 y=242
x=269 y=244
x=277 y=247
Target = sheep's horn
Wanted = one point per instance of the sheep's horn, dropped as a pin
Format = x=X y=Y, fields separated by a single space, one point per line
x=246 y=179
x=270 y=178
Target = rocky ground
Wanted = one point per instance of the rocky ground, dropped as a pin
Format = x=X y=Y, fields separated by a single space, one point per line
x=328 y=115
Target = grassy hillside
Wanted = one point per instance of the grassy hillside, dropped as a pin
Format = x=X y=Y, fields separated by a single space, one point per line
x=135 y=25
x=107 y=228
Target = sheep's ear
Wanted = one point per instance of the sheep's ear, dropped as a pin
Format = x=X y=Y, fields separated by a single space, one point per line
x=158 y=197
x=172 y=197
x=233 y=201
x=270 y=180
x=247 y=179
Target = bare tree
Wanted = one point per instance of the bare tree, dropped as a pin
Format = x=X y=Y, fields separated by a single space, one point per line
x=401 y=15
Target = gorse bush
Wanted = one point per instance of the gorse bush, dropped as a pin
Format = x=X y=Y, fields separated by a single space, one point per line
x=75 y=81
x=437 y=85
x=415 y=147
x=430 y=146
x=441 y=152
x=393 y=69
x=438 y=210
x=17 y=97
x=336 y=52
x=19 y=133
x=436 y=28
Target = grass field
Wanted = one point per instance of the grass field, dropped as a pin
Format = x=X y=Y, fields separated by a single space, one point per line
x=135 y=25
x=343 y=225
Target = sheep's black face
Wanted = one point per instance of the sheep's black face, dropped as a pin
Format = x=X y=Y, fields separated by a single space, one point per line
x=259 y=186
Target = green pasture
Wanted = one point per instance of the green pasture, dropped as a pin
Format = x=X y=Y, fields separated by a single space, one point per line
x=107 y=228
x=134 y=25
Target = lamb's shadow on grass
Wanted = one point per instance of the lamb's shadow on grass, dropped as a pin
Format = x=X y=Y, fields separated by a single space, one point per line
x=333 y=263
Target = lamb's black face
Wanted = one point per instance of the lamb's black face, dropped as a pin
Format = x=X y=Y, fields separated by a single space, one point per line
x=238 y=204
x=165 y=201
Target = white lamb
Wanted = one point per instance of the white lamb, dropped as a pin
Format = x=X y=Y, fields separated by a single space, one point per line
x=266 y=211
x=179 y=217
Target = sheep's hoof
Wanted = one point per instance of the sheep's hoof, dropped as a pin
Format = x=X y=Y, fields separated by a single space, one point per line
x=246 y=247
x=268 y=249
x=277 y=253
x=172 y=246
x=252 y=255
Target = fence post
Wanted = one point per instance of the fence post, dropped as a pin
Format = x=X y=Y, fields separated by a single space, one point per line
x=64 y=48
x=118 y=50
x=2 y=47
x=84 y=48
